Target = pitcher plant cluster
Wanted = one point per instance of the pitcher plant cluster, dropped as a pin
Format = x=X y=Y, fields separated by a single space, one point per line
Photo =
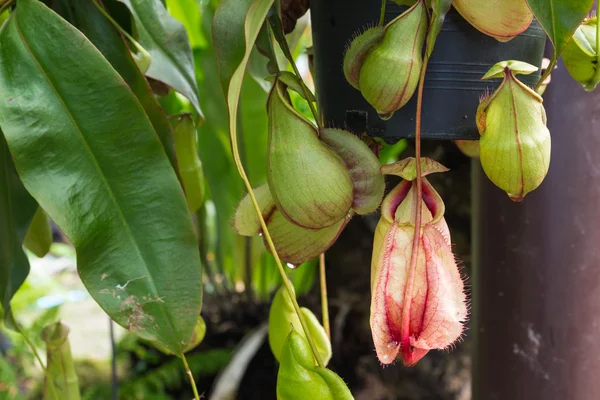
x=320 y=176
x=126 y=184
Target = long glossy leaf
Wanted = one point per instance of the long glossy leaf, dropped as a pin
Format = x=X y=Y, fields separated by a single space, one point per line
x=226 y=188
x=89 y=20
x=166 y=40
x=228 y=37
x=87 y=152
x=254 y=19
x=254 y=135
x=17 y=208
x=560 y=18
x=39 y=235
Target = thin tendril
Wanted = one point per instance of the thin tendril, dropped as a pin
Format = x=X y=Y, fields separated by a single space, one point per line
x=548 y=71
x=418 y=209
x=288 y=54
x=382 y=14
x=27 y=340
x=189 y=372
x=324 y=302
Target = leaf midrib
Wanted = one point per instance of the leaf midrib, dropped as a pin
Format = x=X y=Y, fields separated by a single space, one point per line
x=98 y=169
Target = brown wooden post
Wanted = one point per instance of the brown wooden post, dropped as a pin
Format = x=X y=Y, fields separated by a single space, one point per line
x=536 y=278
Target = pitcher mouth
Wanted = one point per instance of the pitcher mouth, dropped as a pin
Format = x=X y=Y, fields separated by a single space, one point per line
x=431 y=198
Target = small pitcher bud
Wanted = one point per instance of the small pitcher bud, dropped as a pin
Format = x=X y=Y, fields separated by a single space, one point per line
x=503 y=20
x=581 y=57
x=299 y=378
x=390 y=66
x=417 y=308
x=309 y=182
x=469 y=148
x=357 y=52
x=515 y=142
x=283 y=320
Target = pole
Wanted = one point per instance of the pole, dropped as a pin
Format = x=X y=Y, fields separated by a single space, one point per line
x=536 y=277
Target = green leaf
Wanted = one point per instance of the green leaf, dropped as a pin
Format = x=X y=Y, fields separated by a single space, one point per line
x=440 y=9
x=299 y=379
x=101 y=32
x=252 y=24
x=197 y=337
x=17 y=208
x=560 y=18
x=39 y=235
x=254 y=131
x=190 y=166
x=224 y=186
x=188 y=13
x=167 y=42
x=283 y=319
x=85 y=149
x=215 y=150
x=263 y=61
x=61 y=382
x=225 y=190
x=295 y=84
x=228 y=37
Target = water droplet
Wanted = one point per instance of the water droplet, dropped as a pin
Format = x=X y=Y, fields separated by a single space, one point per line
x=385 y=357
x=385 y=117
x=392 y=344
x=260 y=234
x=292 y=266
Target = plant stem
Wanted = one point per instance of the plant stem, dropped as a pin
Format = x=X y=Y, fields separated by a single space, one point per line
x=27 y=340
x=405 y=327
x=189 y=372
x=267 y=235
x=288 y=54
x=114 y=384
x=382 y=14
x=324 y=302
x=548 y=71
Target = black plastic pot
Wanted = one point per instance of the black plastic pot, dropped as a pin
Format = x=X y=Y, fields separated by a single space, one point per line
x=453 y=84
